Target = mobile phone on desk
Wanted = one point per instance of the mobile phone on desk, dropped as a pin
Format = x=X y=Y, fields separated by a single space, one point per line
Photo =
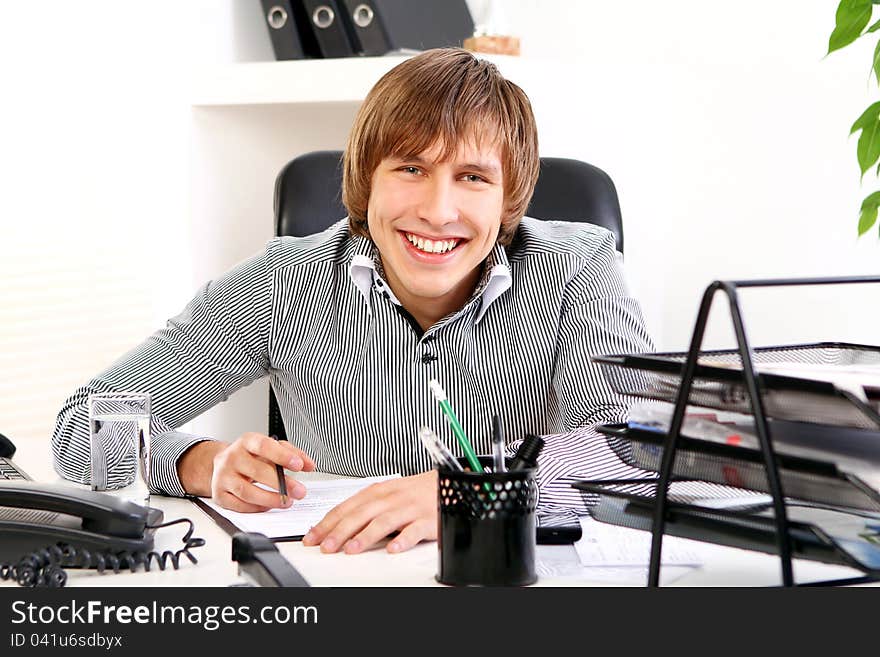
x=562 y=535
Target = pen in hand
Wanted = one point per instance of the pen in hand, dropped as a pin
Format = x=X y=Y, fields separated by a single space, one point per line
x=282 y=481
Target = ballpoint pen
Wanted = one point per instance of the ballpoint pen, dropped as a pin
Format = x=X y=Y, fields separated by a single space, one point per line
x=282 y=482
x=498 y=444
x=440 y=396
x=438 y=451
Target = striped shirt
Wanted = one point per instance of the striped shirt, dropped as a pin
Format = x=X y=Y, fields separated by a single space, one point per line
x=350 y=367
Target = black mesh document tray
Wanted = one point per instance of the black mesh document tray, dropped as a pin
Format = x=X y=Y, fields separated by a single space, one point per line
x=718 y=382
x=816 y=534
x=802 y=478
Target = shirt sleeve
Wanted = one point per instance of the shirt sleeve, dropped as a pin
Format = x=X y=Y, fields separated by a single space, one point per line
x=218 y=344
x=598 y=317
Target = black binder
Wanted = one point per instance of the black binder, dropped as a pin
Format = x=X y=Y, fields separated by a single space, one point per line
x=365 y=28
x=282 y=25
x=380 y=26
x=326 y=23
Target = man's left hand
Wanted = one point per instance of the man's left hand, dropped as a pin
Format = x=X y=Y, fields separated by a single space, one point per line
x=407 y=505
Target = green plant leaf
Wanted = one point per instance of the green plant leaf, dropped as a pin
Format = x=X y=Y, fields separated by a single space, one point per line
x=873 y=28
x=868 y=150
x=871 y=201
x=867 y=218
x=870 y=115
x=851 y=18
x=868 y=215
x=876 y=65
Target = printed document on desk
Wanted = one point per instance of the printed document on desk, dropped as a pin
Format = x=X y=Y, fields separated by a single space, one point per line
x=293 y=523
x=604 y=544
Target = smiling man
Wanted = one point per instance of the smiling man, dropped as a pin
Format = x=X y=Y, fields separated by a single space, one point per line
x=435 y=274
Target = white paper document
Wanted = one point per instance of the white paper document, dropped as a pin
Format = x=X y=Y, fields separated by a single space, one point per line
x=852 y=378
x=604 y=544
x=856 y=378
x=321 y=496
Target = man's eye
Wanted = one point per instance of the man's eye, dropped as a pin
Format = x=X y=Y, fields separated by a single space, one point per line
x=472 y=177
x=413 y=170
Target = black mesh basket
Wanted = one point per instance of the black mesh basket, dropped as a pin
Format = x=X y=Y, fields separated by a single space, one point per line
x=806 y=479
x=818 y=534
x=718 y=382
x=487 y=527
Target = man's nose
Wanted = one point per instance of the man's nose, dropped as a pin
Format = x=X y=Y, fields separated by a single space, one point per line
x=439 y=204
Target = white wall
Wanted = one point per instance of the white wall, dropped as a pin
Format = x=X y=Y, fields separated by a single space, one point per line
x=722 y=125
x=93 y=211
x=726 y=133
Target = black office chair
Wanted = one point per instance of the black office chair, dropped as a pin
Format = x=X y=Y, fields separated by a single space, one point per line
x=308 y=199
x=7 y=448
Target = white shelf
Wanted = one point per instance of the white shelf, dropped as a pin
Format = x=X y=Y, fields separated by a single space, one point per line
x=311 y=81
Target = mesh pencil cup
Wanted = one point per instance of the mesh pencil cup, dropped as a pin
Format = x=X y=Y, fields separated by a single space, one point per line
x=486 y=531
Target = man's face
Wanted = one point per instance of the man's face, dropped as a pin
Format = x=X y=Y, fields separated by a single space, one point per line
x=435 y=222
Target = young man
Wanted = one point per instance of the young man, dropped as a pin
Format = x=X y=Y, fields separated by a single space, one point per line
x=434 y=275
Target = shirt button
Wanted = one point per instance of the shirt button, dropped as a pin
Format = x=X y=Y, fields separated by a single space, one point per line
x=428 y=358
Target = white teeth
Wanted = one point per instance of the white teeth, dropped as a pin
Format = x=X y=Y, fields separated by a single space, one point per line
x=429 y=246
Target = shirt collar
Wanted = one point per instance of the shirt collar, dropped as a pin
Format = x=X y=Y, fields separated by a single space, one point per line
x=365 y=270
x=495 y=281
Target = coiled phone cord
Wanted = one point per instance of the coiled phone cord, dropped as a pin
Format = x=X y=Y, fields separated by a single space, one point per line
x=44 y=568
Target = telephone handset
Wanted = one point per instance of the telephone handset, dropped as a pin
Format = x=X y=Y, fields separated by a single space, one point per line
x=47 y=527
x=39 y=514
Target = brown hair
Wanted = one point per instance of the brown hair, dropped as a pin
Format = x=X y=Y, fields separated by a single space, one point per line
x=442 y=96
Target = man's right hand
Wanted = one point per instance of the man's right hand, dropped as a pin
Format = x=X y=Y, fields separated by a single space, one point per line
x=229 y=472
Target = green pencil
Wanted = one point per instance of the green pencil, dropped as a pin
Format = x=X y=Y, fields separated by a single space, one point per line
x=440 y=396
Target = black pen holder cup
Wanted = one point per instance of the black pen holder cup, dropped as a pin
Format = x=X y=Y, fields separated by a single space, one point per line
x=486 y=531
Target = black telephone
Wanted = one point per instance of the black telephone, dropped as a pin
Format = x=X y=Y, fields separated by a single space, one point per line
x=47 y=527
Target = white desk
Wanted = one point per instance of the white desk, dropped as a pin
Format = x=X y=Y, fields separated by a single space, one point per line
x=557 y=565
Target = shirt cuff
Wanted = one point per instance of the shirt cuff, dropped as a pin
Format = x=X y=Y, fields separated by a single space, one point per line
x=166 y=449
